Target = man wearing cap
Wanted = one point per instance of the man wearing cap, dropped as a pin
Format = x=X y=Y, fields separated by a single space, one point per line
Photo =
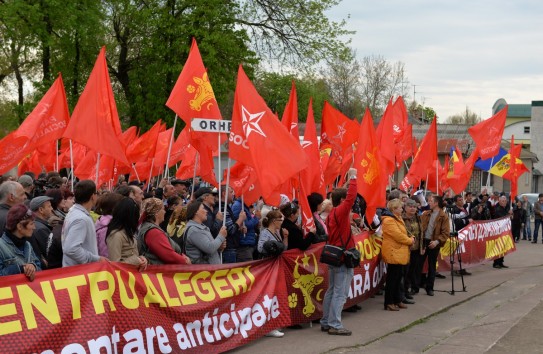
x=42 y=235
x=28 y=185
x=181 y=188
x=209 y=197
x=11 y=193
x=79 y=244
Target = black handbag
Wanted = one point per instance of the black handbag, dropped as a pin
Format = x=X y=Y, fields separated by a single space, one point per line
x=332 y=255
x=351 y=258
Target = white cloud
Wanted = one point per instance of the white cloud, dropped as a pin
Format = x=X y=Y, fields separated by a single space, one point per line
x=462 y=53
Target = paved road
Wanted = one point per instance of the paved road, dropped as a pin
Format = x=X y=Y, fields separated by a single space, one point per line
x=500 y=312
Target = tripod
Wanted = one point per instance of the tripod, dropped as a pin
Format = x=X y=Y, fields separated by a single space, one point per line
x=454 y=248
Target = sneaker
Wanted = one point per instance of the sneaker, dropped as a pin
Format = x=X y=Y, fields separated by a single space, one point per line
x=275 y=334
x=497 y=266
x=440 y=276
x=339 y=332
x=504 y=266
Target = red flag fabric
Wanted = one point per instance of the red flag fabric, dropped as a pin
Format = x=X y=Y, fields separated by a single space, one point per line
x=193 y=97
x=180 y=147
x=141 y=149
x=192 y=159
x=308 y=224
x=488 y=134
x=259 y=140
x=399 y=119
x=312 y=176
x=95 y=121
x=244 y=181
x=385 y=139
x=49 y=118
x=436 y=179
x=337 y=130
x=424 y=159
x=516 y=167
x=162 y=144
x=367 y=162
x=13 y=151
x=461 y=180
x=290 y=115
x=404 y=148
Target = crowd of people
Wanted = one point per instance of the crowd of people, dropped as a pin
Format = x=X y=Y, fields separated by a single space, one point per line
x=45 y=225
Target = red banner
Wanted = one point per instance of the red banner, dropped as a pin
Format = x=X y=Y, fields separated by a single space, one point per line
x=478 y=242
x=110 y=307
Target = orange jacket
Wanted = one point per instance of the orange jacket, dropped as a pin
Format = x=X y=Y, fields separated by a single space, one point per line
x=395 y=241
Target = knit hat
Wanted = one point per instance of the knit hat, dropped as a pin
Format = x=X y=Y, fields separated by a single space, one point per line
x=151 y=206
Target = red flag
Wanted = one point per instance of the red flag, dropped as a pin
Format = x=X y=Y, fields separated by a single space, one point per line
x=13 y=151
x=338 y=131
x=399 y=119
x=424 y=159
x=308 y=224
x=290 y=115
x=367 y=162
x=461 y=180
x=312 y=176
x=144 y=146
x=162 y=145
x=180 y=147
x=404 y=148
x=516 y=167
x=193 y=97
x=95 y=122
x=488 y=134
x=385 y=139
x=49 y=118
x=244 y=181
x=193 y=160
x=259 y=140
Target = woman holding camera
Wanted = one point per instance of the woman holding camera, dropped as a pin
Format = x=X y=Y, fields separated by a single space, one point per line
x=395 y=250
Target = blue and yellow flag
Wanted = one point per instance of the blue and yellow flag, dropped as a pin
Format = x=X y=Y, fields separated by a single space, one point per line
x=500 y=164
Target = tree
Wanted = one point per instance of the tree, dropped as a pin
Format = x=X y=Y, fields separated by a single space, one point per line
x=275 y=89
x=380 y=81
x=466 y=117
x=424 y=114
x=295 y=33
x=343 y=80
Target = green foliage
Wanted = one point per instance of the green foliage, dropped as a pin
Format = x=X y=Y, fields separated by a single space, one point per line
x=275 y=89
x=424 y=114
x=148 y=42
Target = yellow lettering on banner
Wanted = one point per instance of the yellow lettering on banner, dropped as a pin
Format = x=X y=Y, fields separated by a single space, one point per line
x=152 y=296
x=171 y=301
x=489 y=249
x=99 y=296
x=498 y=246
x=238 y=281
x=203 y=290
x=71 y=284
x=8 y=310
x=219 y=282
x=128 y=302
x=249 y=275
x=30 y=300
x=183 y=287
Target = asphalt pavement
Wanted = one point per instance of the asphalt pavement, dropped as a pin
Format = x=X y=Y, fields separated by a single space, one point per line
x=500 y=311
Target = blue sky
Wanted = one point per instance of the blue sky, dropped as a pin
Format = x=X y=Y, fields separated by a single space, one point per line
x=458 y=53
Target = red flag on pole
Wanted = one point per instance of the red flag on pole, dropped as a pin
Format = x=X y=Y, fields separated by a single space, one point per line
x=49 y=118
x=424 y=159
x=95 y=121
x=258 y=139
x=312 y=176
x=488 y=134
x=290 y=115
x=367 y=162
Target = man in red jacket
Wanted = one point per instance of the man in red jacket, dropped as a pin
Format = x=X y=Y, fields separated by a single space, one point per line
x=339 y=278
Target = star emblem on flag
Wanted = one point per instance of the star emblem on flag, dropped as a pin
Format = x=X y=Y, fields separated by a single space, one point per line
x=341 y=131
x=306 y=143
x=293 y=126
x=250 y=122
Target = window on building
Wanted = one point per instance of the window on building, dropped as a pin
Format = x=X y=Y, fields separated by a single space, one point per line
x=526 y=130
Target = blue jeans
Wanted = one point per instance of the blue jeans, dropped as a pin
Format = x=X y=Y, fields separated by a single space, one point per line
x=536 y=229
x=229 y=255
x=527 y=228
x=339 y=282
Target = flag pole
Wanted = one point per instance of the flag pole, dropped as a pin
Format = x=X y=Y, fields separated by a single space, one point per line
x=56 y=145
x=150 y=174
x=136 y=171
x=97 y=167
x=194 y=175
x=72 y=163
x=219 y=175
x=488 y=176
x=226 y=191
x=167 y=172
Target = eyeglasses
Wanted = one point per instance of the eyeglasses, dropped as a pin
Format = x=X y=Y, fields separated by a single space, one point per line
x=279 y=220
